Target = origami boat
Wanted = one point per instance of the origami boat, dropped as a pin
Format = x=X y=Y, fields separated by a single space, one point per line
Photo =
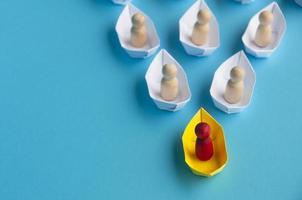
x=186 y=25
x=220 y=157
x=278 y=27
x=153 y=78
x=121 y=1
x=123 y=27
x=299 y=2
x=245 y=1
x=221 y=77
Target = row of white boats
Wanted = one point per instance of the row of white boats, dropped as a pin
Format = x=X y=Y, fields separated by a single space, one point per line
x=186 y=24
x=222 y=75
x=299 y=2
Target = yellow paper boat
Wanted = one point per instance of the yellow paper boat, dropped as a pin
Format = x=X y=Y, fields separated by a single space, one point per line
x=220 y=157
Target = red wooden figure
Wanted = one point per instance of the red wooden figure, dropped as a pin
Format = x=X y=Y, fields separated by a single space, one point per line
x=204 y=144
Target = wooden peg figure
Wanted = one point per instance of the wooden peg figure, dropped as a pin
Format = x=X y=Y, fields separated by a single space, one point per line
x=204 y=145
x=169 y=82
x=201 y=28
x=235 y=86
x=264 y=31
x=139 y=34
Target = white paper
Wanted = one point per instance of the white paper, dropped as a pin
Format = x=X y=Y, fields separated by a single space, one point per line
x=121 y=1
x=278 y=27
x=221 y=77
x=186 y=24
x=123 y=29
x=153 y=78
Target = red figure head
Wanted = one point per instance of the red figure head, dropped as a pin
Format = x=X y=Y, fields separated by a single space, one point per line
x=202 y=130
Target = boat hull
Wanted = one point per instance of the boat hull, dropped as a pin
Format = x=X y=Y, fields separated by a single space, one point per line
x=219 y=159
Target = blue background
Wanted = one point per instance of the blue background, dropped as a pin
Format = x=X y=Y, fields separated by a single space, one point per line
x=76 y=121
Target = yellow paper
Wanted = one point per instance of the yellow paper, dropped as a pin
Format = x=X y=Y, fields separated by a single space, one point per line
x=219 y=158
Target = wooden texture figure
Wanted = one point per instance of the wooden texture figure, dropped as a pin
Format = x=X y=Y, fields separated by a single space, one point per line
x=169 y=83
x=139 y=34
x=264 y=31
x=204 y=145
x=235 y=86
x=201 y=28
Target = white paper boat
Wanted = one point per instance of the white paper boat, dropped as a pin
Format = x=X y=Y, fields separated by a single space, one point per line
x=278 y=27
x=121 y=1
x=186 y=24
x=244 y=1
x=221 y=77
x=299 y=2
x=123 y=27
x=153 y=78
